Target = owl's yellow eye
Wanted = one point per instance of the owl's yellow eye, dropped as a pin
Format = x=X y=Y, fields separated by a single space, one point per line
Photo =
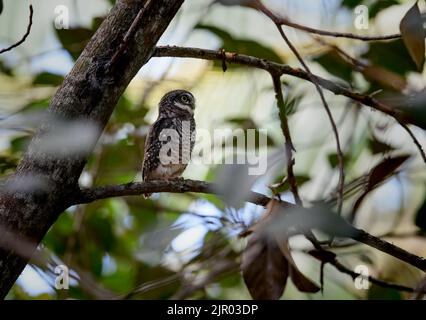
x=184 y=99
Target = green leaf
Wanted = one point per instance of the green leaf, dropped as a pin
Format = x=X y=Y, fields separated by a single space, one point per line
x=4 y=68
x=74 y=39
x=7 y=163
x=57 y=237
x=421 y=216
x=37 y=105
x=413 y=35
x=334 y=64
x=265 y=270
x=242 y=122
x=379 y=293
x=351 y=3
x=99 y=226
x=128 y=112
x=123 y=279
x=380 y=5
x=333 y=160
x=392 y=55
x=242 y=46
x=47 y=78
x=300 y=180
x=377 y=146
x=96 y=22
x=19 y=144
x=292 y=102
x=120 y=162
x=93 y=257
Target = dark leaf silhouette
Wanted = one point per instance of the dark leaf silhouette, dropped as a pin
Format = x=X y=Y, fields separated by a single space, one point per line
x=300 y=281
x=47 y=78
x=377 y=175
x=74 y=39
x=421 y=216
x=334 y=161
x=281 y=185
x=265 y=269
x=384 y=54
x=379 y=293
x=413 y=35
x=384 y=169
x=380 y=5
x=377 y=146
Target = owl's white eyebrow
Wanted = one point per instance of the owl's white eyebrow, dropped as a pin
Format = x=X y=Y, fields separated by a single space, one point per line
x=184 y=107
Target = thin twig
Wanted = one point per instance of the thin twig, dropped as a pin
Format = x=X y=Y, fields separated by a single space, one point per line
x=232 y=57
x=340 y=157
x=330 y=258
x=336 y=34
x=288 y=142
x=415 y=140
x=285 y=21
x=27 y=33
x=360 y=66
x=180 y=186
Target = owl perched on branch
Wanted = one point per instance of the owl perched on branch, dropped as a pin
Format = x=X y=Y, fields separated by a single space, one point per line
x=171 y=138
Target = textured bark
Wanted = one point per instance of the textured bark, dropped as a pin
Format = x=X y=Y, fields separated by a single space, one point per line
x=90 y=93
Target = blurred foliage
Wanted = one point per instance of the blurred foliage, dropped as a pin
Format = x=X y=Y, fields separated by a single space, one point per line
x=421 y=216
x=158 y=248
x=374 y=7
x=379 y=293
x=74 y=39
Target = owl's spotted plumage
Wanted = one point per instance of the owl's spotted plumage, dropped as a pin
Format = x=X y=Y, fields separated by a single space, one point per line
x=171 y=137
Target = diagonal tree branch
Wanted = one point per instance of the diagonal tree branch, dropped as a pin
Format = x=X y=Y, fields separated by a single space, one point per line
x=330 y=258
x=180 y=186
x=89 y=195
x=275 y=68
x=258 y=5
x=269 y=66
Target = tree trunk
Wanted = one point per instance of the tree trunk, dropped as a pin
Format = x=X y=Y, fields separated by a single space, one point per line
x=40 y=190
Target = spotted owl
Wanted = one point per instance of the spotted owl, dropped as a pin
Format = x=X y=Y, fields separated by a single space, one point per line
x=171 y=138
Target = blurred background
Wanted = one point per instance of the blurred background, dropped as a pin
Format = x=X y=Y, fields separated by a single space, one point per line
x=187 y=245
